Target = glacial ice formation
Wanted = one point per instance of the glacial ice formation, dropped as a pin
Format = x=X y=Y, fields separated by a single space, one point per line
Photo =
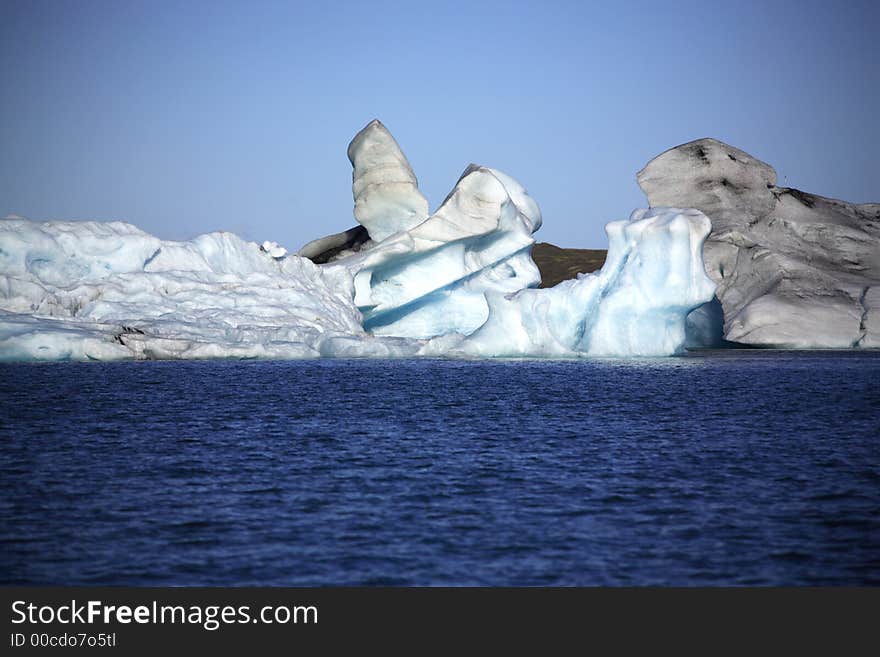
x=635 y=305
x=106 y=291
x=386 y=193
x=455 y=283
x=793 y=269
x=434 y=279
x=338 y=245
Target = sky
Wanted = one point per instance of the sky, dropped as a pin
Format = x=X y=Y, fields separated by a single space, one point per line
x=188 y=117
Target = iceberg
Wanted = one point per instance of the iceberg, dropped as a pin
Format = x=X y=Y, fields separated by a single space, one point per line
x=434 y=278
x=636 y=305
x=108 y=291
x=793 y=269
x=458 y=283
x=386 y=193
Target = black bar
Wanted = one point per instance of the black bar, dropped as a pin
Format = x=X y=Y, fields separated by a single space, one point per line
x=573 y=620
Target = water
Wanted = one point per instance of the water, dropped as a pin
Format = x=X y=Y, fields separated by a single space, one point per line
x=747 y=467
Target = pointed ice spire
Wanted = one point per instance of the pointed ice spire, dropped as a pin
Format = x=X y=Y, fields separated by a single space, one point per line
x=386 y=193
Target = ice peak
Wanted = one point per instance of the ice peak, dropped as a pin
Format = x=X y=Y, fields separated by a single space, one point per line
x=386 y=192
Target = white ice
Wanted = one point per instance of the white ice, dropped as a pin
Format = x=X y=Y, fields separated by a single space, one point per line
x=273 y=249
x=455 y=283
x=434 y=278
x=105 y=291
x=386 y=193
x=635 y=305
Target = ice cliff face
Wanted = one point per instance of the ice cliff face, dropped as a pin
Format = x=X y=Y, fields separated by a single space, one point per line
x=793 y=269
x=454 y=283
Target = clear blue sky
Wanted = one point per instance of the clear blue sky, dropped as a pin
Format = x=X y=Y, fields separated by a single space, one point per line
x=186 y=117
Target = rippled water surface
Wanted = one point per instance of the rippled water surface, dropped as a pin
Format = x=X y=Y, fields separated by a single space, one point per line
x=747 y=467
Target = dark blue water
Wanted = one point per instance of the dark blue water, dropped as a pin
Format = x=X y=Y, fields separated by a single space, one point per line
x=744 y=467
